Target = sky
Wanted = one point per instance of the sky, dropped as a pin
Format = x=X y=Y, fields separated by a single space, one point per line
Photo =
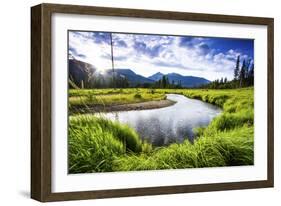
x=145 y=54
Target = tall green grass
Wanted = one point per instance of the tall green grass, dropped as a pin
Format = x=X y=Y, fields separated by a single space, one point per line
x=99 y=145
x=221 y=149
x=95 y=142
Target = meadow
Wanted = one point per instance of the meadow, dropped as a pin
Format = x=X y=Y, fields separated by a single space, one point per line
x=80 y=100
x=101 y=145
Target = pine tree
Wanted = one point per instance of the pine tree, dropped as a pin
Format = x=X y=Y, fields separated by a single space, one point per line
x=236 y=70
x=247 y=68
x=225 y=80
x=164 y=83
x=242 y=73
x=179 y=84
x=251 y=75
x=247 y=72
x=167 y=82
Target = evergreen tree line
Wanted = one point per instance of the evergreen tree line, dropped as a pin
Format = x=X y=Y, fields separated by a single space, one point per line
x=164 y=83
x=99 y=82
x=243 y=77
x=122 y=82
x=114 y=82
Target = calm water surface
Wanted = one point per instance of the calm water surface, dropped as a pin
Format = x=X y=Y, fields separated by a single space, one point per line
x=170 y=124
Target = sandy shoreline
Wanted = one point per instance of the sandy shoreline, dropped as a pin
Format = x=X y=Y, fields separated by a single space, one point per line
x=123 y=107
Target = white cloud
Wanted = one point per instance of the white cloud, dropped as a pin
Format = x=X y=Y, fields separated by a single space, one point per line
x=83 y=44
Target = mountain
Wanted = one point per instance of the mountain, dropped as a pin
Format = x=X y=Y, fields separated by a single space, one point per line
x=132 y=77
x=80 y=71
x=186 y=81
x=85 y=75
x=156 y=76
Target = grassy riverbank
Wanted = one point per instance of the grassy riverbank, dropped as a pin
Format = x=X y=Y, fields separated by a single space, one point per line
x=99 y=100
x=112 y=97
x=98 y=145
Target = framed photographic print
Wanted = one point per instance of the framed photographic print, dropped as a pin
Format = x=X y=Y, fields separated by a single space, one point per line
x=132 y=102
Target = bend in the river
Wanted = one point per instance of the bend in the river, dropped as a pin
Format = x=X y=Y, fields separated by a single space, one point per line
x=169 y=124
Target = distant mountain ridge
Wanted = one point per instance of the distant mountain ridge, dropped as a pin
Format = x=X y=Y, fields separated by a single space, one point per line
x=132 y=77
x=80 y=71
x=186 y=81
x=156 y=77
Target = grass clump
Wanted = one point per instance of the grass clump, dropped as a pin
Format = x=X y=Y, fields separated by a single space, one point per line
x=137 y=96
x=222 y=149
x=95 y=142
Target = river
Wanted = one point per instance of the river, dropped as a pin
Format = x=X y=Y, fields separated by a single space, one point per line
x=169 y=124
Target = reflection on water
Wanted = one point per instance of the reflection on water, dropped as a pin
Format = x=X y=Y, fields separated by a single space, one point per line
x=170 y=124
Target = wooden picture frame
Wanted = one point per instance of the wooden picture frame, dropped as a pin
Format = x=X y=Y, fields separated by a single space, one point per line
x=41 y=95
